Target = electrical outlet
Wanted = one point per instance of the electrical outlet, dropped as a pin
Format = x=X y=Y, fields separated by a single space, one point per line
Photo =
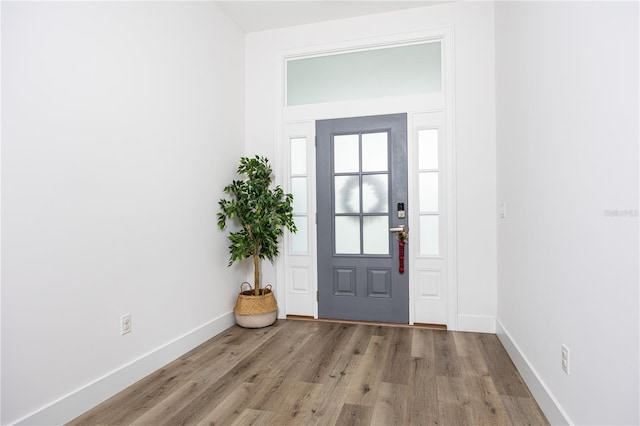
x=565 y=359
x=125 y=324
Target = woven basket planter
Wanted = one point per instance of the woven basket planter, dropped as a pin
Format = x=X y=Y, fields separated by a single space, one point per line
x=255 y=311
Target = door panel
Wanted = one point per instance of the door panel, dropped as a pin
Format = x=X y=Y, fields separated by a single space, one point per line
x=361 y=182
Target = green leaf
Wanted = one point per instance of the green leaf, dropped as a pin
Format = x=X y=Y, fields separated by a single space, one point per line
x=261 y=212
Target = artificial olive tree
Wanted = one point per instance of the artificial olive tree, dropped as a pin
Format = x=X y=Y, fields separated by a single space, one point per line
x=261 y=211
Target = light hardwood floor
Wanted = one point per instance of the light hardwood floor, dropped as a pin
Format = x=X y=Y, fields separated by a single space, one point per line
x=324 y=373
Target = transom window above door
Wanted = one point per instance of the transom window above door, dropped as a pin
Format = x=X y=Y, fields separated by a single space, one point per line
x=381 y=72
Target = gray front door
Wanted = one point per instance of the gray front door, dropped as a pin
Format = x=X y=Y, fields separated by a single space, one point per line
x=361 y=195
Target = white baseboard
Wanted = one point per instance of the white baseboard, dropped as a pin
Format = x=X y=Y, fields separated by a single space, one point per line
x=477 y=323
x=545 y=399
x=83 y=399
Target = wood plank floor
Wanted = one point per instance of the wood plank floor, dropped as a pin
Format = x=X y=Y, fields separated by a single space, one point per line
x=324 y=373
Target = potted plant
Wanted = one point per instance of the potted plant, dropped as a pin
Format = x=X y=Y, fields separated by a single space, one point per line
x=262 y=213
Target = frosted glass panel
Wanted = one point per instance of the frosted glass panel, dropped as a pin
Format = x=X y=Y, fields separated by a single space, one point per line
x=392 y=71
x=299 y=239
x=429 y=235
x=298 y=156
x=428 y=192
x=347 y=193
x=346 y=153
x=374 y=152
x=347 y=235
x=428 y=149
x=299 y=192
x=375 y=194
x=375 y=235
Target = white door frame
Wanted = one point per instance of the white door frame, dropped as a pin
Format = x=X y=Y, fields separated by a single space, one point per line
x=296 y=272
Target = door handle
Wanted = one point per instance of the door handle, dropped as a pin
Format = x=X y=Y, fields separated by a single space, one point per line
x=401 y=232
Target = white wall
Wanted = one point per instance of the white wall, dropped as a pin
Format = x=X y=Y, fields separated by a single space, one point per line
x=474 y=124
x=567 y=144
x=122 y=122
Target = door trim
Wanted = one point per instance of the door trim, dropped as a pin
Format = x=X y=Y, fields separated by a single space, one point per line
x=300 y=121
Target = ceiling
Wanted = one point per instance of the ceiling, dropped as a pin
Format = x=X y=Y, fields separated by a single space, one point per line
x=254 y=16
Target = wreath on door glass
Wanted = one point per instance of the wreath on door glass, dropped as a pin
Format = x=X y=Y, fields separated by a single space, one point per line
x=378 y=190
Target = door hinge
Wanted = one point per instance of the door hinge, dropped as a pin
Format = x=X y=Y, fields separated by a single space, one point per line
x=317 y=297
x=316 y=139
x=316 y=218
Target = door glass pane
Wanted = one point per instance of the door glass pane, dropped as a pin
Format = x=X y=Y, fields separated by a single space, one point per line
x=299 y=239
x=299 y=192
x=428 y=149
x=347 y=235
x=428 y=183
x=375 y=194
x=429 y=235
x=375 y=235
x=347 y=194
x=346 y=153
x=390 y=71
x=374 y=152
x=298 y=156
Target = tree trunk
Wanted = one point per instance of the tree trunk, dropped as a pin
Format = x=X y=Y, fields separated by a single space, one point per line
x=256 y=275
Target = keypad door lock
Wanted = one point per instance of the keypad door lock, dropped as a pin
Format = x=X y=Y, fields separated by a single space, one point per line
x=401 y=212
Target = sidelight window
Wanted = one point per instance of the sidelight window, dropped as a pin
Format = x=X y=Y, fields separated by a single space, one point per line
x=299 y=190
x=429 y=192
